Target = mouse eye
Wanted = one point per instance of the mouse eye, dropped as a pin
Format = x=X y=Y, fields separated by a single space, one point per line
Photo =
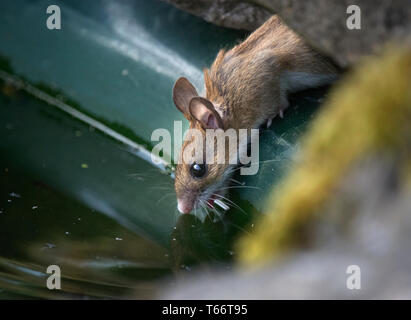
x=197 y=170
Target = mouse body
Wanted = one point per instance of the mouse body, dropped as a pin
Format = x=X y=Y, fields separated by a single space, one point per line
x=245 y=88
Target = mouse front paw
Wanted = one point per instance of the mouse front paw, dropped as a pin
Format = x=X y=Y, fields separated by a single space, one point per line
x=284 y=105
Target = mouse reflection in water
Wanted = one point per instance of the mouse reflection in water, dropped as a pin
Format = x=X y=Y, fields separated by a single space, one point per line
x=194 y=241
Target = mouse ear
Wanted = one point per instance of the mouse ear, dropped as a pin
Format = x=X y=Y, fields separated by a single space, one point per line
x=183 y=92
x=204 y=112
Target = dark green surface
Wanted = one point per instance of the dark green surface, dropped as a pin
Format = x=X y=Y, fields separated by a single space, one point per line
x=117 y=59
x=114 y=61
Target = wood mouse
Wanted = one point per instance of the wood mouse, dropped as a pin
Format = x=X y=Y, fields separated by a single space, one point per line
x=245 y=87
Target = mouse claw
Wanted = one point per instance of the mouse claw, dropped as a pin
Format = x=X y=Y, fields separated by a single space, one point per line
x=269 y=122
x=281 y=114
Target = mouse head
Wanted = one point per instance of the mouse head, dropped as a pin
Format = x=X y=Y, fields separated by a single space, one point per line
x=198 y=182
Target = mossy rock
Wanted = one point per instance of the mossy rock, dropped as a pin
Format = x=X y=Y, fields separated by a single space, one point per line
x=368 y=113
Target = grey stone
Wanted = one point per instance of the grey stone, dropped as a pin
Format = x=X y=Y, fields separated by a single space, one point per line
x=226 y=13
x=322 y=23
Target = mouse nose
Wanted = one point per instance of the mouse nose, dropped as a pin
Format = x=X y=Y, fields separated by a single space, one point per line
x=183 y=206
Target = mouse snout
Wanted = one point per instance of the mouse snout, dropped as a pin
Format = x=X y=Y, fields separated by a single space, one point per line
x=184 y=206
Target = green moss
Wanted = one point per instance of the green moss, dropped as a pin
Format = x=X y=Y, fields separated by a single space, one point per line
x=368 y=112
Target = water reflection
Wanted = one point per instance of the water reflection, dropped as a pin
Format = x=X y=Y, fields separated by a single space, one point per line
x=98 y=257
x=210 y=241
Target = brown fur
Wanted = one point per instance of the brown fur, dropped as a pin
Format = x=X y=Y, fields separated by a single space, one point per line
x=247 y=77
x=246 y=87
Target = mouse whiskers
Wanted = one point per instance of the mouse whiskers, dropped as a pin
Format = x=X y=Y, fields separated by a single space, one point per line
x=239 y=187
x=204 y=207
x=238 y=182
x=230 y=202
